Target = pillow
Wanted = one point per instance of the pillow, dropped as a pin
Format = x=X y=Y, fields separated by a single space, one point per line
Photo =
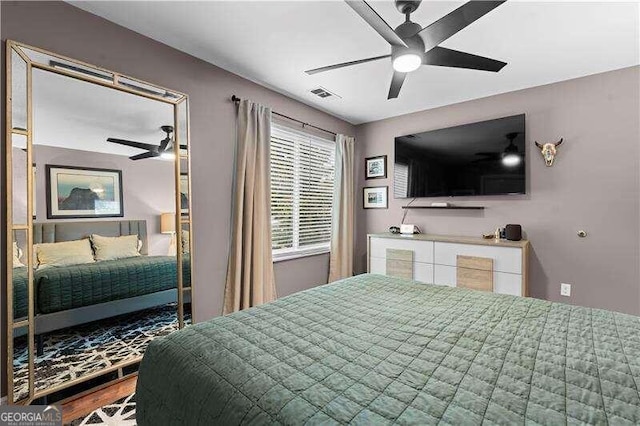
x=17 y=254
x=111 y=248
x=64 y=254
x=186 y=244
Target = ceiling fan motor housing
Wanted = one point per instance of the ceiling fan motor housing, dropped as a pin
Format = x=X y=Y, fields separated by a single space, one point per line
x=407 y=6
x=408 y=32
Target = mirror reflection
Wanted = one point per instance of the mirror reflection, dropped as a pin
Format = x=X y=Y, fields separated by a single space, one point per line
x=19 y=170
x=18 y=92
x=104 y=230
x=20 y=358
x=186 y=273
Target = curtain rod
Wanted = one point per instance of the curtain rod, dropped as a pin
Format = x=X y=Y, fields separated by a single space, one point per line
x=236 y=99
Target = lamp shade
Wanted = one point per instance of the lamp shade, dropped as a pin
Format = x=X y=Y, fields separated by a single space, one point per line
x=167 y=223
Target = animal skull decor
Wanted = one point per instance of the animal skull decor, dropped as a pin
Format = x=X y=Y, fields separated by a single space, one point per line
x=549 y=151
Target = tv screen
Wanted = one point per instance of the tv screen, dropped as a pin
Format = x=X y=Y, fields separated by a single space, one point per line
x=486 y=158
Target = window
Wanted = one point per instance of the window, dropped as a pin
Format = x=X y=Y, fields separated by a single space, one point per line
x=302 y=176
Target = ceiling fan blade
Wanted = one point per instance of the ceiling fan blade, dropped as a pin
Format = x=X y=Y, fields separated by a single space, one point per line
x=144 y=155
x=140 y=145
x=345 y=64
x=376 y=22
x=453 y=58
x=396 y=84
x=455 y=21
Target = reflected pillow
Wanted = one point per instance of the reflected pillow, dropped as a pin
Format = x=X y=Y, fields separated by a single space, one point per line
x=111 y=248
x=186 y=243
x=64 y=254
x=17 y=254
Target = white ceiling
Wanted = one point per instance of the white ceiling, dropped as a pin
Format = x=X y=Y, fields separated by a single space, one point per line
x=272 y=43
x=70 y=113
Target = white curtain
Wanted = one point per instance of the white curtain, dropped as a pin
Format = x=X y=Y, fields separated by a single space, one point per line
x=250 y=278
x=341 y=260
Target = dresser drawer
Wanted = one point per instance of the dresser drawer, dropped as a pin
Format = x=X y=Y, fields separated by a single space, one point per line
x=503 y=283
x=505 y=259
x=422 y=272
x=422 y=250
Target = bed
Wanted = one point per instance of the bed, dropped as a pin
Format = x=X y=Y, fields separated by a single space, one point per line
x=375 y=349
x=72 y=295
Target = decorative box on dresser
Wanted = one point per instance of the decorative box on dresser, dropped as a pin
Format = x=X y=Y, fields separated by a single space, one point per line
x=485 y=264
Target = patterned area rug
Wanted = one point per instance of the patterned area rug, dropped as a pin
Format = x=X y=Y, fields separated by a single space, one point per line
x=120 y=413
x=78 y=351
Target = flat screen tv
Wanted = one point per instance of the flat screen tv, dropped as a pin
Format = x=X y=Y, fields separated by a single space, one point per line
x=485 y=158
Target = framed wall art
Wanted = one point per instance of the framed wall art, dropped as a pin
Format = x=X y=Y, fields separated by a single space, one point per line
x=376 y=167
x=81 y=192
x=376 y=197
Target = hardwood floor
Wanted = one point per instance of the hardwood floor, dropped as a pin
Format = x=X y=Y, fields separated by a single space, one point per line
x=85 y=403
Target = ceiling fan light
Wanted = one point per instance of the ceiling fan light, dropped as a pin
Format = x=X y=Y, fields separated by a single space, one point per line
x=168 y=156
x=511 y=160
x=407 y=62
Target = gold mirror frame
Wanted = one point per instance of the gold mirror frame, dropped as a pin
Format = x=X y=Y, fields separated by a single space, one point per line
x=119 y=82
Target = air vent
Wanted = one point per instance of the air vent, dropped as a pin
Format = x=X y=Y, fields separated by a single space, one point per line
x=323 y=93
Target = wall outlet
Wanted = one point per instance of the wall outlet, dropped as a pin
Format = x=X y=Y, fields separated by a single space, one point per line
x=565 y=289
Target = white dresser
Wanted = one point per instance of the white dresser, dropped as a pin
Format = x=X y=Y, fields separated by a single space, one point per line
x=448 y=260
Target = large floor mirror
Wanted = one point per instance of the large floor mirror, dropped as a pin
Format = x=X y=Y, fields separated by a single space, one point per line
x=98 y=221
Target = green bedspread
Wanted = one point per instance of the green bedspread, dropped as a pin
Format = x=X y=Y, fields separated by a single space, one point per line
x=20 y=292
x=377 y=350
x=61 y=288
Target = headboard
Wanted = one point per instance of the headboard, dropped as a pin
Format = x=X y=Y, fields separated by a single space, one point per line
x=55 y=232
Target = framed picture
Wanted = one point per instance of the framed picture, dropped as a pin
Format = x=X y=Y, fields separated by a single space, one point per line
x=376 y=197
x=184 y=194
x=82 y=192
x=376 y=167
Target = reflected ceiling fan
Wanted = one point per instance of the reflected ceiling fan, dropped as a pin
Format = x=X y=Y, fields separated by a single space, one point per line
x=412 y=45
x=510 y=157
x=164 y=150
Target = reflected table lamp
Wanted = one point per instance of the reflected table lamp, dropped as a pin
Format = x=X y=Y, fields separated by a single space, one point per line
x=168 y=226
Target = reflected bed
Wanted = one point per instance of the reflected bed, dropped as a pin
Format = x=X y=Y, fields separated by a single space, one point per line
x=66 y=296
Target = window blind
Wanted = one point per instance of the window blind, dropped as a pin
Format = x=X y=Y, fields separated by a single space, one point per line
x=302 y=177
x=400 y=180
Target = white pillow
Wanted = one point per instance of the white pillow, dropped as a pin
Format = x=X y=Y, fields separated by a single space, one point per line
x=64 y=254
x=17 y=254
x=111 y=248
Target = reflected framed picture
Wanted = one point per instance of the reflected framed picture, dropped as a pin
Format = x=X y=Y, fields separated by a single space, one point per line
x=376 y=167
x=82 y=192
x=184 y=194
x=376 y=197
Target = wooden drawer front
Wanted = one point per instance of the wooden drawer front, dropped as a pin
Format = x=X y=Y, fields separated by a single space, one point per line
x=399 y=268
x=505 y=259
x=474 y=262
x=395 y=254
x=475 y=279
x=503 y=283
x=422 y=272
x=422 y=250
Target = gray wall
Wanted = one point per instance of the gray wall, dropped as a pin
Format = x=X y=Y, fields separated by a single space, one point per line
x=147 y=187
x=594 y=185
x=64 y=29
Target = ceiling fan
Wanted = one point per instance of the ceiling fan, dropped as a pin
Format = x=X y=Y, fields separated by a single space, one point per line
x=164 y=150
x=412 y=45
